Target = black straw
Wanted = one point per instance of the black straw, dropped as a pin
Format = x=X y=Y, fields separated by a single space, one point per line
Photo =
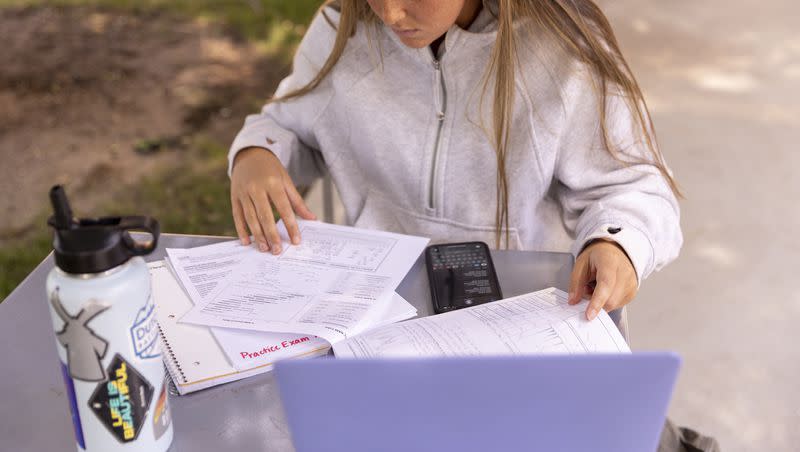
x=61 y=210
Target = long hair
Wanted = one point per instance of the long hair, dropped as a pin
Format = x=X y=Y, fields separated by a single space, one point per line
x=579 y=26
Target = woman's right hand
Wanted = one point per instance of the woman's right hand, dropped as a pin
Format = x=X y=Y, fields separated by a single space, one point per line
x=259 y=182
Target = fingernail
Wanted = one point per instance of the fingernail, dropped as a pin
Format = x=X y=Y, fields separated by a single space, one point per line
x=591 y=314
x=296 y=240
x=276 y=250
x=571 y=296
x=263 y=247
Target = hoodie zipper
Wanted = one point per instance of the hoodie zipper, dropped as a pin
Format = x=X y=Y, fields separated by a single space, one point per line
x=439 y=98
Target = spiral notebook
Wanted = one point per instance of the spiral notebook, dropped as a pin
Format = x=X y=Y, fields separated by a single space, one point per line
x=199 y=357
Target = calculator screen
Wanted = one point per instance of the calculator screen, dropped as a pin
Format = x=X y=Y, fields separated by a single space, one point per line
x=463 y=275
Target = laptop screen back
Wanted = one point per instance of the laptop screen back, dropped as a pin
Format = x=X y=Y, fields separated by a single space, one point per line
x=549 y=403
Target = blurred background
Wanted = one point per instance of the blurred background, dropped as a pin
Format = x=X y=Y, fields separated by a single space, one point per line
x=132 y=105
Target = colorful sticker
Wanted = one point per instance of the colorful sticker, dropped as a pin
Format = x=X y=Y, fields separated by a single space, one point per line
x=73 y=406
x=162 y=418
x=122 y=402
x=85 y=349
x=144 y=332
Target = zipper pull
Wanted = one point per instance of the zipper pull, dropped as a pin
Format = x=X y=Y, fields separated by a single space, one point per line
x=437 y=90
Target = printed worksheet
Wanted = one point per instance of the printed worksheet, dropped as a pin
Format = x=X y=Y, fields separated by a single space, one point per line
x=535 y=323
x=339 y=281
x=200 y=269
x=248 y=349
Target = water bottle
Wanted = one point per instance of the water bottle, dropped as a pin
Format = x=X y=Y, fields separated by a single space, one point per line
x=106 y=332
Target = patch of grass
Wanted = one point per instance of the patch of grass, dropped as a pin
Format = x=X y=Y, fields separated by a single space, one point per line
x=252 y=19
x=18 y=260
x=184 y=200
x=190 y=200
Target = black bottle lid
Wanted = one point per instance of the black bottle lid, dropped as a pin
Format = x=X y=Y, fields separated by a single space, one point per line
x=94 y=245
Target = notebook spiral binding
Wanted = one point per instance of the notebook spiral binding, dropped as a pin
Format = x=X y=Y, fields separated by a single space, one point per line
x=171 y=362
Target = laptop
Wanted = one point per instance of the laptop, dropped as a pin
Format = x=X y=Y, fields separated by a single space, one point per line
x=575 y=403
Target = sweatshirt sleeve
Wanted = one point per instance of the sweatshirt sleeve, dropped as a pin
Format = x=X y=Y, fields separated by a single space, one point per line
x=287 y=128
x=629 y=201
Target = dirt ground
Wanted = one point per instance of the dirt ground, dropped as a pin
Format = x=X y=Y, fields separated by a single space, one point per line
x=96 y=100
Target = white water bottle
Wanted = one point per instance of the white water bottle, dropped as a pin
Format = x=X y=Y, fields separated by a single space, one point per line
x=106 y=332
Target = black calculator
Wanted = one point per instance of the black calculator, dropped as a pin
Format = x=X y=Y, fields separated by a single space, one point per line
x=461 y=275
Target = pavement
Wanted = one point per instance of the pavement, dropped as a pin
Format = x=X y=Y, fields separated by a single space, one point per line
x=723 y=82
x=722 y=79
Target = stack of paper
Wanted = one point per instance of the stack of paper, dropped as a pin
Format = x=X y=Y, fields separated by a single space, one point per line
x=338 y=282
x=259 y=308
x=534 y=323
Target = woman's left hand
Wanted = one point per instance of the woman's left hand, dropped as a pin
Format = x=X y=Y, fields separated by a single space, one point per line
x=605 y=264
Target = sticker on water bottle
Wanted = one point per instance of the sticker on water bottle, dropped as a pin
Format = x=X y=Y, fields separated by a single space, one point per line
x=161 y=415
x=121 y=403
x=85 y=349
x=144 y=332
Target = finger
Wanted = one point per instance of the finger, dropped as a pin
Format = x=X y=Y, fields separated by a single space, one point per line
x=623 y=292
x=239 y=222
x=287 y=214
x=606 y=281
x=267 y=220
x=253 y=224
x=590 y=288
x=616 y=299
x=298 y=204
x=580 y=276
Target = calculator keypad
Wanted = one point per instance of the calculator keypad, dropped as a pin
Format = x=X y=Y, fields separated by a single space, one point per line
x=465 y=258
x=462 y=276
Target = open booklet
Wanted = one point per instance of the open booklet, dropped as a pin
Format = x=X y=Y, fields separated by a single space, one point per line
x=251 y=309
x=534 y=323
x=198 y=357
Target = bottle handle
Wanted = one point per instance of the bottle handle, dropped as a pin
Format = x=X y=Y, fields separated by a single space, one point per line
x=147 y=224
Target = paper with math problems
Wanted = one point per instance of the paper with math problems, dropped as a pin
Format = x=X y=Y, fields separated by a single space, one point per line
x=200 y=269
x=248 y=349
x=201 y=357
x=338 y=282
x=538 y=322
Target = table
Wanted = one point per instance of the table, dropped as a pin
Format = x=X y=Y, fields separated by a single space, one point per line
x=245 y=415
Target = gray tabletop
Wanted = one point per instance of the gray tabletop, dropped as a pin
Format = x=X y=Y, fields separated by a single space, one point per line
x=243 y=415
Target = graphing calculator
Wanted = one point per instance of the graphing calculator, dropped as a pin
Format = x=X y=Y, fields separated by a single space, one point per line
x=461 y=275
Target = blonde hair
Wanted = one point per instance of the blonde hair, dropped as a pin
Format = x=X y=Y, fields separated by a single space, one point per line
x=582 y=30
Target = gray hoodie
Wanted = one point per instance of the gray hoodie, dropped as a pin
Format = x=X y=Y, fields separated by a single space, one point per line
x=399 y=131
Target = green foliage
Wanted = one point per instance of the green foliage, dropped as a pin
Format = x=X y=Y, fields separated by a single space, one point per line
x=184 y=200
x=18 y=260
x=192 y=199
x=253 y=19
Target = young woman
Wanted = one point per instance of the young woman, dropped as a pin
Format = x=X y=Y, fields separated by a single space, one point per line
x=515 y=122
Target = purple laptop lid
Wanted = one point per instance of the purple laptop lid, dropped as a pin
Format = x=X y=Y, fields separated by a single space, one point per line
x=534 y=403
